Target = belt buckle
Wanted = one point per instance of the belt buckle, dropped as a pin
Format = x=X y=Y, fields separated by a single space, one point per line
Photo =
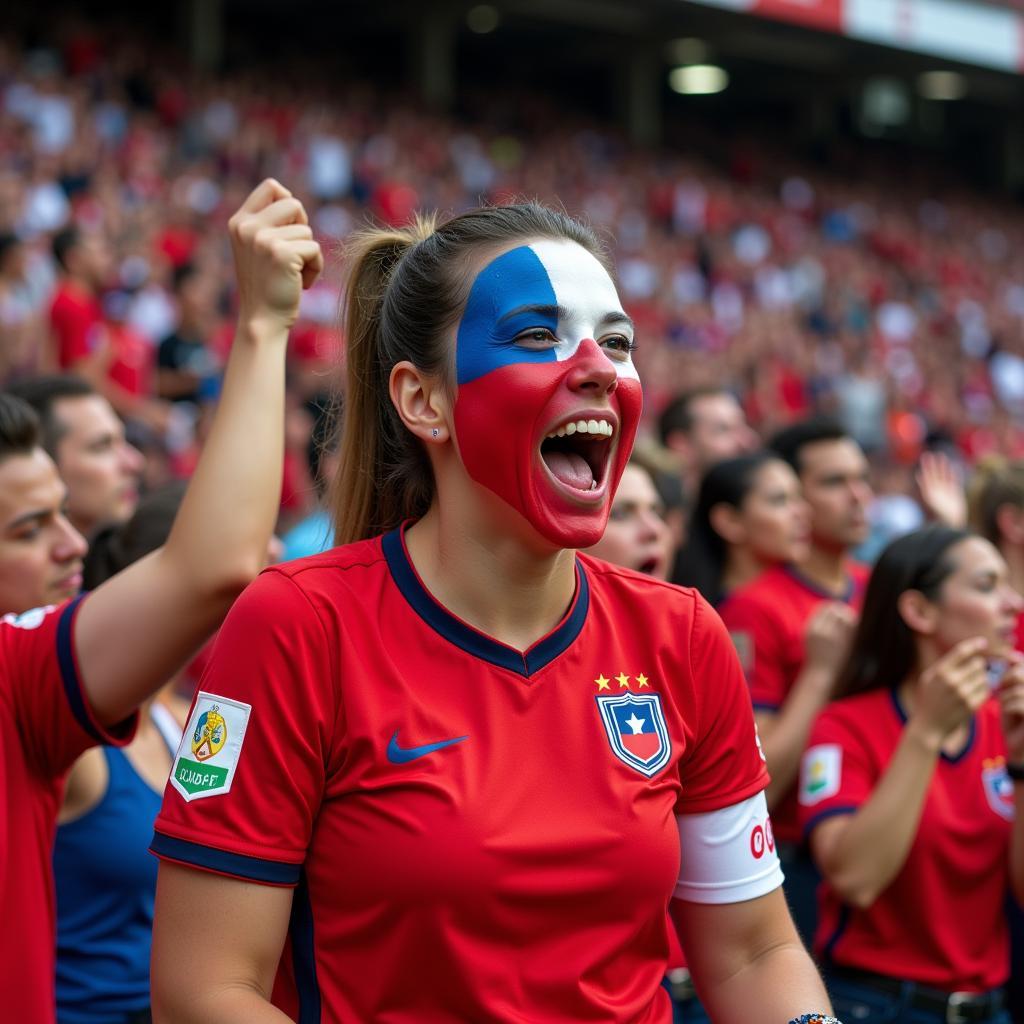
x=955 y=1007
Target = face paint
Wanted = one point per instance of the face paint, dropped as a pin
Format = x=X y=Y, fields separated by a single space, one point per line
x=541 y=351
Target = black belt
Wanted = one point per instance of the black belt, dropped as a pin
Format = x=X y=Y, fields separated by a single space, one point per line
x=954 y=1007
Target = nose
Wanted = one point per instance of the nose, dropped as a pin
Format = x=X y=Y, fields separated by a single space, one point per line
x=592 y=370
x=651 y=525
x=1014 y=601
x=70 y=543
x=132 y=460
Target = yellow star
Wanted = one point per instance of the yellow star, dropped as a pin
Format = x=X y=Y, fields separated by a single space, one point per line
x=602 y=683
x=642 y=680
x=623 y=680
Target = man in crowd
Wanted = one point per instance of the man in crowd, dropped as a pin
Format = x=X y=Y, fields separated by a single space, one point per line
x=703 y=427
x=106 y=355
x=86 y=439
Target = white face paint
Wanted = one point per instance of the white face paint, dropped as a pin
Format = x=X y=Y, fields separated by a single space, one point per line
x=588 y=304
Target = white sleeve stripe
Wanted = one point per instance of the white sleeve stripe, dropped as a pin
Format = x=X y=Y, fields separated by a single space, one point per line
x=728 y=855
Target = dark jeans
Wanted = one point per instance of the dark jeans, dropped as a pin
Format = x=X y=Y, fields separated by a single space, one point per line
x=854 y=1002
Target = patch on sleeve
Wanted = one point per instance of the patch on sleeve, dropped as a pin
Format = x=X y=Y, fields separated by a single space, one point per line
x=208 y=753
x=744 y=644
x=820 y=773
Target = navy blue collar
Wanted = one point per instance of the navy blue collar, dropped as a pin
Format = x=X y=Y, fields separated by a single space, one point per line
x=454 y=630
x=847 y=596
x=945 y=757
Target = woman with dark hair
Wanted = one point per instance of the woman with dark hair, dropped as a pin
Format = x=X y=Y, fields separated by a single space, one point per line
x=749 y=515
x=453 y=770
x=911 y=791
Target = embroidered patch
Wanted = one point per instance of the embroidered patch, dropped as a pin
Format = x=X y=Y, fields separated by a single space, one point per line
x=208 y=753
x=636 y=729
x=820 y=773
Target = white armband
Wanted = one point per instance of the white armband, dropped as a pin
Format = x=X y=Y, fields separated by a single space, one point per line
x=727 y=856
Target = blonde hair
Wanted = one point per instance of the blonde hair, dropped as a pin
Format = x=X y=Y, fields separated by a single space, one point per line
x=996 y=482
x=406 y=288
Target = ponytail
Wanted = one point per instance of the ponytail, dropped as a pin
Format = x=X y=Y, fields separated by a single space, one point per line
x=383 y=475
x=406 y=289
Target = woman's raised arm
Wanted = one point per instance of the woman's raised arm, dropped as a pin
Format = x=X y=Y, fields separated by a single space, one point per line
x=136 y=629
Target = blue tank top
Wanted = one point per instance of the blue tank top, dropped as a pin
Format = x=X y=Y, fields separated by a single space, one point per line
x=106 y=884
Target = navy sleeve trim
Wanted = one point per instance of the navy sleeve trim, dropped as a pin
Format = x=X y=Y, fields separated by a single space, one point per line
x=760 y=705
x=829 y=812
x=255 y=869
x=69 y=673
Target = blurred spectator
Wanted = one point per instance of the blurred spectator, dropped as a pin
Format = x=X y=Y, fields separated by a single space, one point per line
x=85 y=438
x=749 y=515
x=636 y=535
x=315 y=532
x=187 y=367
x=793 y=623
x=702 y=427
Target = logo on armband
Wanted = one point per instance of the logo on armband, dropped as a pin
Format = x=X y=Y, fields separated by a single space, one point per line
x=208 y=753
x=762 y=839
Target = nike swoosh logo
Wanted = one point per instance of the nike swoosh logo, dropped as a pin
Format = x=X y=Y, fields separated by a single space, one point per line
x=402 y=755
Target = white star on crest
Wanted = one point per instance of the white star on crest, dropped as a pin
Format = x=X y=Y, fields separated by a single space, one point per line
x=636 y=724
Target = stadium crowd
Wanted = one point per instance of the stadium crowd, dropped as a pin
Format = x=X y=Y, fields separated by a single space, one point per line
x=870 y=333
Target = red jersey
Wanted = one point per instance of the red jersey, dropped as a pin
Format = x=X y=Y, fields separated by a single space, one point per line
x=45 y=723
x=941 y=920
x=766 y=620
x=475 y=833
x=77 y=321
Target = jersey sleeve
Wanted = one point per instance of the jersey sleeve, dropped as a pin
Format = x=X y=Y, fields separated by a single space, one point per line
x=725 y=764
x=836 y=775
x=55 y=720
x=248 y=777
x=758 y=640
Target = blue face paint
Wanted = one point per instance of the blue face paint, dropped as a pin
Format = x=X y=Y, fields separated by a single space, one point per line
x=510 y=295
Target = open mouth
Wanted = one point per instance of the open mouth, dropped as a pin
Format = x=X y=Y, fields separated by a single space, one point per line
x=577 y=453
x=649 y=566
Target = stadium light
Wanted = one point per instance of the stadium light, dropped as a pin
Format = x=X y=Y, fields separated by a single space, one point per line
x=698 y=79
x=688 y=50
x=942 y=85
x=482 y=19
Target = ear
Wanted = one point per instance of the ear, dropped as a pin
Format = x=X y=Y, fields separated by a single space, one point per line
x=917 y=612
x=1010 y=523
x=421 y=402
x=726 y=522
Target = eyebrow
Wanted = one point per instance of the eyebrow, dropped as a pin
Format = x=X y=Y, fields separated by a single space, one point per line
x=556 y=312
x=28 y=517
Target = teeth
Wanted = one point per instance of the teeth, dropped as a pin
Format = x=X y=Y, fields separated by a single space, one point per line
x=595 y=428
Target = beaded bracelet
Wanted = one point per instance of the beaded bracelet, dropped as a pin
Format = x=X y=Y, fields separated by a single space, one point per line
x=815 y=1018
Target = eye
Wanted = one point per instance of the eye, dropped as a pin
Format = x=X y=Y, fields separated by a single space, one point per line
x=536 y=338
x=619 y=345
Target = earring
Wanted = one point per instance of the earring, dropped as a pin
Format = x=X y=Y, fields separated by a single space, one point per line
x=435 y=432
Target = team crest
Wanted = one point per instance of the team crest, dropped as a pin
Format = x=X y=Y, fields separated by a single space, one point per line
x=636 y=729
x=209 y=735
x=998 y=788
